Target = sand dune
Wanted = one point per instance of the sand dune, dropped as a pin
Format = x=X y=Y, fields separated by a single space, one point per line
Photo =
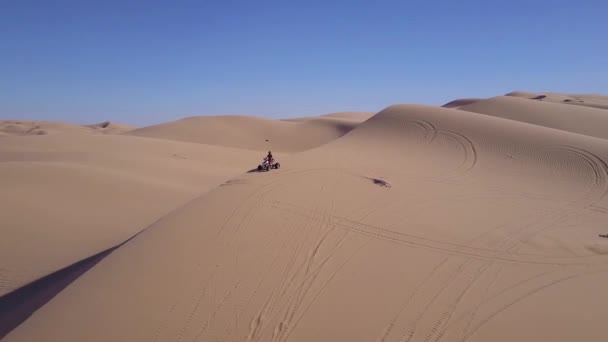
x=359 y=116
x=66 y=197
x=420 y=224
x=460 y=102
x=111 y=127
x=252 y=132
x=576 y=119
x=584 y=100
x=21 y=127
x=17 y=127
x=354 y=116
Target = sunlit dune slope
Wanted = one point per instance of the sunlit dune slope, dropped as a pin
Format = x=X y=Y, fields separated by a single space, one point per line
x=576 y=119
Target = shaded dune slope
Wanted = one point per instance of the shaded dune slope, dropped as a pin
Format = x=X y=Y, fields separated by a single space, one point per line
x=471 y=239
x=252 y=132
x=18 y=305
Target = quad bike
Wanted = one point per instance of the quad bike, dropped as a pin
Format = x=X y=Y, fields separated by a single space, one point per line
x=268 y=164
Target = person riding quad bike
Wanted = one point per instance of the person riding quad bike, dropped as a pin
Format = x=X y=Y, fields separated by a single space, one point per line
x=269 y=158
x=269 y=163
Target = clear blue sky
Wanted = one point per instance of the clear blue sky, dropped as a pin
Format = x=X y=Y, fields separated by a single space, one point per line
x=144 y=62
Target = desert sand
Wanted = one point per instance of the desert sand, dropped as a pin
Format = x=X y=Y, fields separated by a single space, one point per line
x=476 y=221
x=21 y=127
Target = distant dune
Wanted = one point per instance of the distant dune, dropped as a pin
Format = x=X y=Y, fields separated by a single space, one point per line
x=460 y=102
x=252 y=132
x=477 y=221
x=24 y=127
x=584 y=100
x=111 y=127
x=355 y=116
x=583 y=120
x=358 y=116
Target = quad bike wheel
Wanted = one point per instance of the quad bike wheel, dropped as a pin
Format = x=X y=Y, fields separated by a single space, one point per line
x=277 y=165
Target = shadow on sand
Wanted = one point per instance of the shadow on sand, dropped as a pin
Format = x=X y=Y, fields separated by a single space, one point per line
x=19 y=305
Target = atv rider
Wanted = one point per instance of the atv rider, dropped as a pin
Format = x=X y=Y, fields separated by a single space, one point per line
x=269 y=158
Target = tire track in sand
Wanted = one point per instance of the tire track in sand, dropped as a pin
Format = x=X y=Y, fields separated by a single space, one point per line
x=524 y=296
x=282 y=284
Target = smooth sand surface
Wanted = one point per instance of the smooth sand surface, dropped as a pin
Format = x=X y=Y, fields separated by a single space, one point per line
x=421 y=223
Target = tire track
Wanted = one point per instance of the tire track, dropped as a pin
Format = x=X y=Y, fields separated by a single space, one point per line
x=527 y=294
x=471 y=155
x=215 y=311
x=262 y=192
x=599 y=188
x=430 y=131
x=406 y=303
x=493 y=297
x=453 y=248
x=504 y=244
x=483 y=298
x=202 y=292
x=180 y=299
x=575 y=208
x=282 y=286
x=449 y=312
x=468 y=146
x=170 y=313
x=283 y=282
x=325 y=285
x=295 y=301
x=283 y=331
x=410 y=331
x=241 y=308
